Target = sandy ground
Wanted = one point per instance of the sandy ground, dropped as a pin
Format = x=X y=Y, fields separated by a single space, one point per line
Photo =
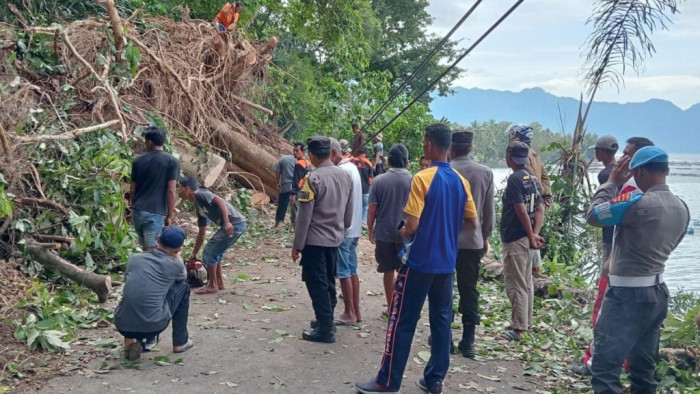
x=247 y=339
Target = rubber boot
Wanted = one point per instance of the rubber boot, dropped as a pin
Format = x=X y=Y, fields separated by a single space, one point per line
x=466 y=345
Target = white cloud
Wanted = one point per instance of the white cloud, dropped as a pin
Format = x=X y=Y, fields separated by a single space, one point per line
x=541 y=43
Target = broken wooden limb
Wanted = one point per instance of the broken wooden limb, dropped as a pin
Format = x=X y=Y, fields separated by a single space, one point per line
x=253 y=105
x=205 y=166
x=543 y=286
x=115 y=22
x=53 y=238
x=41 y=203
x=3 y=139
x=65 y=136
x=270 y=45
x=100 y=284
x=17 y=15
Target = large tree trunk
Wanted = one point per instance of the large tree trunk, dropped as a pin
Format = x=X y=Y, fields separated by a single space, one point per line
x=249 y=158
x=100 y=284
x=205 y=166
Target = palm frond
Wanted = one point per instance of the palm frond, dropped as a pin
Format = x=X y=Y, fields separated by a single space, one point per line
x=621 y=38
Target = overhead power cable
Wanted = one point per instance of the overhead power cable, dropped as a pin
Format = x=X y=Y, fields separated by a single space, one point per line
x=420 y=68
x=452 y=66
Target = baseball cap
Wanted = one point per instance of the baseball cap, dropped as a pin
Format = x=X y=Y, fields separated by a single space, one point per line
x=189 y=181
x=648 y=155
x=344 y=146
x=172 y=237
x=607 y=142
x=518 y=152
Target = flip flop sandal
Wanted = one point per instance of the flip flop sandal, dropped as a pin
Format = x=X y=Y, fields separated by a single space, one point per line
x=189 y=345
x=343 y=323
x=510 y=336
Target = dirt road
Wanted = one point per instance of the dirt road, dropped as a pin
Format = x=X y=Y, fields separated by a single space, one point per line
x=247 y=339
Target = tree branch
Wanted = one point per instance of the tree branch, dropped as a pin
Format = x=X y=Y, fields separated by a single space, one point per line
x=39 y=202
x=65 y=136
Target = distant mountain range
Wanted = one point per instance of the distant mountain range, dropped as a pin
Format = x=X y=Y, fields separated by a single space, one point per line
x=670 y=127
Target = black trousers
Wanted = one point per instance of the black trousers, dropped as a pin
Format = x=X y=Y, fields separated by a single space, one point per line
x=468 y=262
x=178 y=299
x=628 y=327
x=318 y=267
x=282 y=203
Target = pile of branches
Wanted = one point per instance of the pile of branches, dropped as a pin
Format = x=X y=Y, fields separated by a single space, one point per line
x=187 y=73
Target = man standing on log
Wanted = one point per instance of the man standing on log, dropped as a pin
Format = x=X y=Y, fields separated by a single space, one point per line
x=211 y=208
x=358 y=140
x=227 y=18
x=387 y=197
x=301 y=168
x=284 y=170
x=155 y=292
x=439 y=205
x=524 y=133
x=521 y=223
x=325 y=214
x=153 y=192
x=649 y=227
x=472 y=245
x=347 y=261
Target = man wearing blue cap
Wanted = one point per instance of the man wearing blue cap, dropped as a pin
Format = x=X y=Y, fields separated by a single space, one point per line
x=649 y=226
x=155 y=292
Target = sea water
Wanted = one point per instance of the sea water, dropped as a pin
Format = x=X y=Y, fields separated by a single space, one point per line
x=683 y=266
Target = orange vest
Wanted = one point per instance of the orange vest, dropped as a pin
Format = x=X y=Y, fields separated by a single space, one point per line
x=227 y=15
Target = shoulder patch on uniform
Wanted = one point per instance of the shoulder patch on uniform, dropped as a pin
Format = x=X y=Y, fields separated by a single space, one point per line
x=306 y=194
x=611 y=213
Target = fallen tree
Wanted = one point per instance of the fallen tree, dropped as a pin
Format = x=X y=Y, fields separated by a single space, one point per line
x=544 y=287
x=100 y=284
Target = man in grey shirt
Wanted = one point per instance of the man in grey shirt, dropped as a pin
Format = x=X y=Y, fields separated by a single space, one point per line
x=387 y=197
x=212 y=208
x=649 y=227
x=285 y=175
x=155 y=292
x=472 y=244
x=325 y=213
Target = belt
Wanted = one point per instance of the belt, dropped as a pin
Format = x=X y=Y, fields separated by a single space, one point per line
x=636 y=281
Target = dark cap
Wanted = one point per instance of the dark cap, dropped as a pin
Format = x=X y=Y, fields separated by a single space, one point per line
x=462 y=137
x=189 y=181
x=172 y=237
x=518 y=152
x=362 y=149
x=319 y=145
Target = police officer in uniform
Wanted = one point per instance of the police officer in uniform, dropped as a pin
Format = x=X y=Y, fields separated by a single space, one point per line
x=325 y=212
x=649 y=226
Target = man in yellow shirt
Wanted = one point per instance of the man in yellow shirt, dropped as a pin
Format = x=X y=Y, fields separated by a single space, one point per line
x=227 y=18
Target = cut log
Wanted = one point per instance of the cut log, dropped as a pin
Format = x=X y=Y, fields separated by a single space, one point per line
x=100 y=284
x=247 y=155
x=544 y=287
x=205 y=166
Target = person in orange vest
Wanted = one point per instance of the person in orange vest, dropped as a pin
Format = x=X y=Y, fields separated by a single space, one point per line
x=227 y=18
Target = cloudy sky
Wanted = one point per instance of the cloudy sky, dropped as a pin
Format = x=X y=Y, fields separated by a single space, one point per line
x=541 y=45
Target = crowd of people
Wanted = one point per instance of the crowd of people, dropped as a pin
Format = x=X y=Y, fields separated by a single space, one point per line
x=425 y=228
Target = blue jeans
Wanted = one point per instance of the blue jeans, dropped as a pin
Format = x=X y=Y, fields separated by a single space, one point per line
x=410 y=290
x=365 y=205
x=219 y=244
x=148 y=227
x=347 y=263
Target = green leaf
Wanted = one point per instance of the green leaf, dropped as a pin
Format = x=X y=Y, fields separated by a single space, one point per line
x=163 y=361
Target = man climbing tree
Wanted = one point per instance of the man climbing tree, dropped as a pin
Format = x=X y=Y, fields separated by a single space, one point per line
x=227 y=18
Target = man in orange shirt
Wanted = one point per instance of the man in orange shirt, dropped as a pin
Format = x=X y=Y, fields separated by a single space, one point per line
x=227 y=18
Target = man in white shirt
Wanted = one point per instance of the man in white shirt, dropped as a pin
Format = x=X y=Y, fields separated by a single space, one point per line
x=347 y=261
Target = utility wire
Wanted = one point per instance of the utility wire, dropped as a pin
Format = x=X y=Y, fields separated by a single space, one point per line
x=418 y=69
x=453 y=65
